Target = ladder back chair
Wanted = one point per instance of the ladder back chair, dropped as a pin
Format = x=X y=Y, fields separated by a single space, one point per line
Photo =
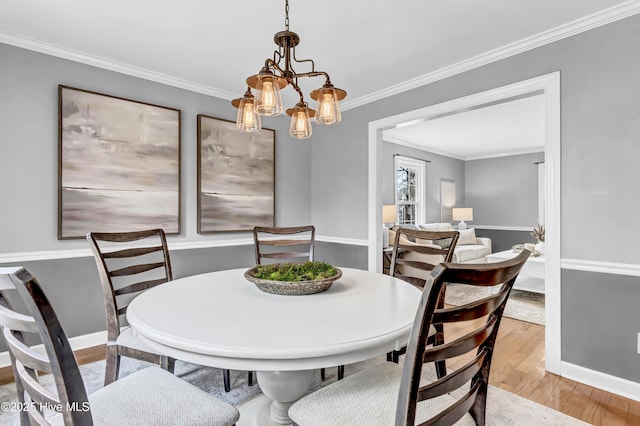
x=148 y=396
x=125 y=273
x=128 y=264
x=415 y=254
x=411 y=395
x=278 y=244
x=272 y=243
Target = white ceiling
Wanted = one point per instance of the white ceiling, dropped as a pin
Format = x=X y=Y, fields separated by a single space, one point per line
x=370 y=48
x=507 y=128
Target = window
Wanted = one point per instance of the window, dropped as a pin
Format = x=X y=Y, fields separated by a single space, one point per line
x=409 y=188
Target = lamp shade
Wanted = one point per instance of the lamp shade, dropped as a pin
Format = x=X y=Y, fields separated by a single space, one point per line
x=462 y=213
x=389 y=213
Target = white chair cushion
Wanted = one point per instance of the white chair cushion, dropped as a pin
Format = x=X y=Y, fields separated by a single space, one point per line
x=129 y=338
x=153 y=396
x=365 y=398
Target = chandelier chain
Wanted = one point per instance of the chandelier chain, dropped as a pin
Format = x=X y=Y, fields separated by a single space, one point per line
x=286 y=12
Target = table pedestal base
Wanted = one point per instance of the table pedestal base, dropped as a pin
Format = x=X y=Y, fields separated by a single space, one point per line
x=280 y=390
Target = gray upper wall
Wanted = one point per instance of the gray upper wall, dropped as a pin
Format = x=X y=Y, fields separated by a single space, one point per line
x=29 y=148
x=600 y=129
x=503 y=191
x=438 y=167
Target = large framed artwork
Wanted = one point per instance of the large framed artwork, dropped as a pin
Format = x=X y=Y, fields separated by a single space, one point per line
x=118 y=164
x=236 y=176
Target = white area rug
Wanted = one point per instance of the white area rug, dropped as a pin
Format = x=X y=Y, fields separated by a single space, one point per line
x=522 y=305
x=503 y=408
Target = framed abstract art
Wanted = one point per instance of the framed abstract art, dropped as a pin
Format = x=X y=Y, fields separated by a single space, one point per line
x=118 y=164
x=236 y=176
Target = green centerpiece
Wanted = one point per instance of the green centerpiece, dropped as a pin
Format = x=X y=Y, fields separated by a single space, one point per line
x=293 y=278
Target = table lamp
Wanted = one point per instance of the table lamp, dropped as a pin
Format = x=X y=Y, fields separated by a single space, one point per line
x=462 y=214
x=388 y=216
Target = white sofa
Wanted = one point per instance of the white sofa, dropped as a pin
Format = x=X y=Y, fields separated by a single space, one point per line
x=470 y=249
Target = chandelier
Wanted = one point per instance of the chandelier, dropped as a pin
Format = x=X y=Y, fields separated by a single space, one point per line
x=276 y=74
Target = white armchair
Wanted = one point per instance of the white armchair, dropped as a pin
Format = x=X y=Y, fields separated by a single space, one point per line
x=470 y=249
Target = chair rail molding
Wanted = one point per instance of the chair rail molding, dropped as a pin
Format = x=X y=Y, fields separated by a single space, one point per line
x=503 y=228
x=31 y=256
x=615 y=268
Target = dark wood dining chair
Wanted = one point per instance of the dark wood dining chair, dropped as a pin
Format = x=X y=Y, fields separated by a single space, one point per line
x=284 y=244
x=146 y=397
x=415 y=254
x=125 y=272
x=128 y=264
x=287 y=244
x=411 y=395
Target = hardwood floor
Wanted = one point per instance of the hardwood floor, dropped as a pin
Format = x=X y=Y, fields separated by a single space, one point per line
x=518 y=367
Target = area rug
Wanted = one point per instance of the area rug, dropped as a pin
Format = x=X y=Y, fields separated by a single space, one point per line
x=521 y=305
x=503 y=408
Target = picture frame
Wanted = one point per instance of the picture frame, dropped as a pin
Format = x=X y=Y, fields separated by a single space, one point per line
x=118 y=164
x=236 y=176
x=447 y=199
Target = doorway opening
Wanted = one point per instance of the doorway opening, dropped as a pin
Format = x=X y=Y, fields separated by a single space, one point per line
x=549 y=86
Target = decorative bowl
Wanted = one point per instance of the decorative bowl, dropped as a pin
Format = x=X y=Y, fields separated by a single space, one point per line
x=292 y=288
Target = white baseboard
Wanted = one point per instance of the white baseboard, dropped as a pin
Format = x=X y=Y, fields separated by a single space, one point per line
x=78 y=342
x=606 y=382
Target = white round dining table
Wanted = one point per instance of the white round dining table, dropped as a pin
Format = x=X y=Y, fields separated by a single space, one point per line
x=220 y=319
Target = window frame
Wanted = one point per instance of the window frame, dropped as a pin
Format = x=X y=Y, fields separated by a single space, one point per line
x=420 y=185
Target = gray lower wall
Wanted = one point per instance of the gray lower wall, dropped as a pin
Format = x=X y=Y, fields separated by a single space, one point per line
x=438 y=167
x=505 y=239
x=601 y=322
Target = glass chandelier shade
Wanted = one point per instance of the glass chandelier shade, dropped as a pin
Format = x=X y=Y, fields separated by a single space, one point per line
x=300 y=121
x=247 y=118
x=276 y=74
x=327 y=106
x=268 y=97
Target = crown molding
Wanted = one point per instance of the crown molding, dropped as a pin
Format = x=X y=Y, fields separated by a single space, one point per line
x=84 y=58
x=409 y=144
x=578 y=26
x=425 y=148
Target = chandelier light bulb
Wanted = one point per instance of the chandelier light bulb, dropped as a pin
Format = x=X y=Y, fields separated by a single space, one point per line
x=247 y=118
x=328 y=110
x=300 y=121
x=327 y=106
x=269 y=97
